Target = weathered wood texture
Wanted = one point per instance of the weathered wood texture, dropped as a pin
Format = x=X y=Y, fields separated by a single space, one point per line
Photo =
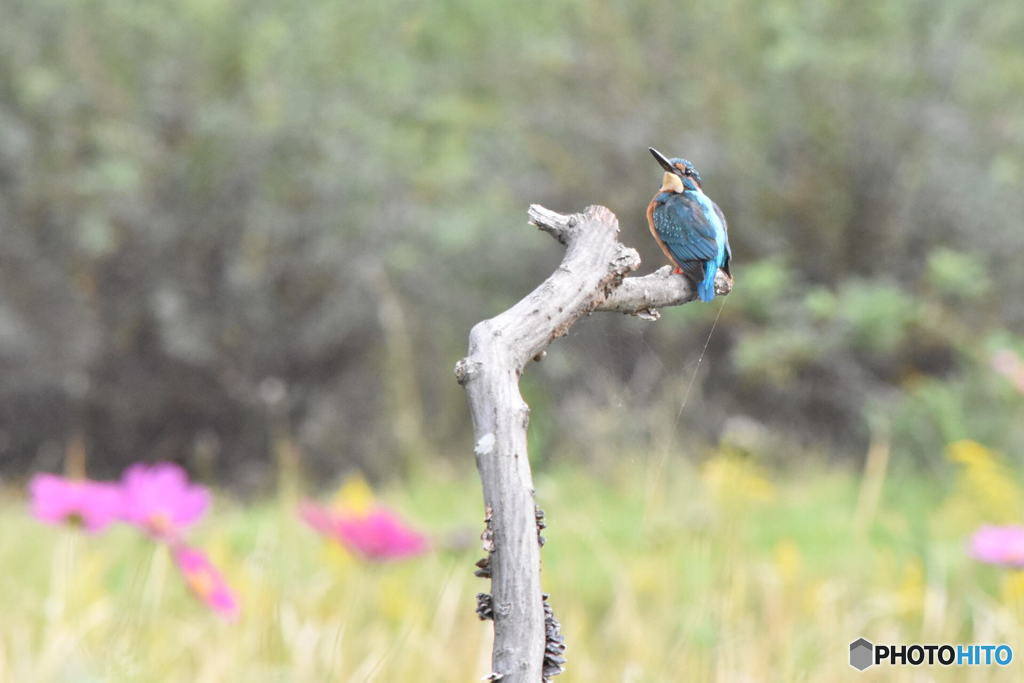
x=590 y=277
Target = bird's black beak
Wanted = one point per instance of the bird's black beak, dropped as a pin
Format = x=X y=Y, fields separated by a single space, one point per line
x=665 y=163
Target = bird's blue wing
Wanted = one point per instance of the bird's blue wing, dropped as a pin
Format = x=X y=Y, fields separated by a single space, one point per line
x=687 y=233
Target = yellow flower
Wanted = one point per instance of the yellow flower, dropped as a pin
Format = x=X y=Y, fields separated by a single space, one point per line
x=733 y=479
x=354 y=496
x=787 y=560
x=910 y=594
x=1013 y=587
x=986 y=485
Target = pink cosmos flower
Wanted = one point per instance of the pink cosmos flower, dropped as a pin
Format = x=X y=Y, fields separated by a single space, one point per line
x=377 y=535
x=999 y=545
x=205 y=580
x=92 y=504
x=1008 y=364
x=159 y=499
x=321 y=519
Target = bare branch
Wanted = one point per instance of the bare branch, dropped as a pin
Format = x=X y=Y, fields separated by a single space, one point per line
x=591 y=277
x=551 y=222
x=643 y=296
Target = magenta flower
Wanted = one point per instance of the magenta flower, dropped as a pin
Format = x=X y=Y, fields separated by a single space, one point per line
x=159 y=499
x=376 y=535
x=205 y=580
x=91 y=504
x=1002 y=545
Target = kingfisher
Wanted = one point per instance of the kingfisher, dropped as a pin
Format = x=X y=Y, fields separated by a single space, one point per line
x=688 y=226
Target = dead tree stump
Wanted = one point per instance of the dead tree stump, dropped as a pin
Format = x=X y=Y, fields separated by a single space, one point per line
x=527 y=644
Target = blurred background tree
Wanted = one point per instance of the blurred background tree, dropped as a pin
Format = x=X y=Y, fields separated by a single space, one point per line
x=222 y=222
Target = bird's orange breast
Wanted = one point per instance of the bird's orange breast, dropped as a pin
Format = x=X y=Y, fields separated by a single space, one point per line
x=657 y=238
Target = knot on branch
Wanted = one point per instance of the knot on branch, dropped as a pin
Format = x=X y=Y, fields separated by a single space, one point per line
x=465 y=370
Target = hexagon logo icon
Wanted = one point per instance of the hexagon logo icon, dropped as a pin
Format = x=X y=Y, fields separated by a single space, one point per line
x=861 y=654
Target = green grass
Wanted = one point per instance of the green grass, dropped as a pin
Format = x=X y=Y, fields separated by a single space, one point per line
x=660 y=575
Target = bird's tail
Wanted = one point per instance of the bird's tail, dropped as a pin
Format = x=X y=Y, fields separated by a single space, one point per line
x=706 y=288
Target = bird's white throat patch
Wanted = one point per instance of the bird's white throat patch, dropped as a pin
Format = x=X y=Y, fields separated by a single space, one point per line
x=671 y=183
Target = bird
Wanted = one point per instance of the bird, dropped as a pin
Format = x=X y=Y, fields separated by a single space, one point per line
x=688 y=226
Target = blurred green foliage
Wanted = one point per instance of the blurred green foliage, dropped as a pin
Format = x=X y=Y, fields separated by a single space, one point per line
x=222 y=220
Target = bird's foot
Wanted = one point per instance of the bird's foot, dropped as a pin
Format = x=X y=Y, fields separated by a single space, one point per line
x=677 y=271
